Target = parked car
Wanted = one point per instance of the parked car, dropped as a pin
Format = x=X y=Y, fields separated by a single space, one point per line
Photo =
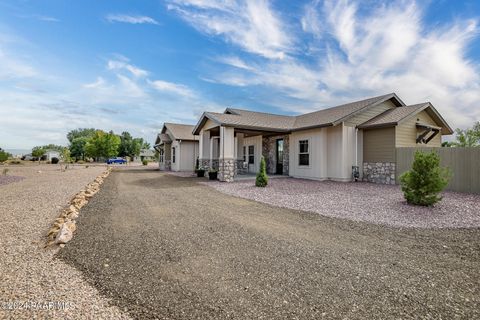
x=116 y=160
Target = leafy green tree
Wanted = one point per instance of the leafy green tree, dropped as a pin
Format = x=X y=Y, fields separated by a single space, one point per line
x=77 y=148
x=38 y=152
x=262 y=178
x=469 y=137
x=422 y=184
x=80 y=133
x=103 y=144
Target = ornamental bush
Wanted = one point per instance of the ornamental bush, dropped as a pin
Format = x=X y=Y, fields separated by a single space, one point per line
x=422 y=184
x=55 y=160
x=144 y=162
x=262 y=178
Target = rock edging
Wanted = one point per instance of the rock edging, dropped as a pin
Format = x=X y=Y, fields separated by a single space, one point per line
x=65 y=225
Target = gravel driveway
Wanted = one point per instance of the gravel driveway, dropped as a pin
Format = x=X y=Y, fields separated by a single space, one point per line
x=369 y=202
x=28 y=272
x=167 y=247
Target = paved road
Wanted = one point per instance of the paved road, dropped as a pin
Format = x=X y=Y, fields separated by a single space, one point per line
x=166 y=247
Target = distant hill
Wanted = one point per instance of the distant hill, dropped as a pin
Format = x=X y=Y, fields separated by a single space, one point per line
x=15 y=152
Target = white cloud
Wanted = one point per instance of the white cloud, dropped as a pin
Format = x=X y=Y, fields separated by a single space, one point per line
x=124 y=65
x=359 y=53
x=251 y=25
x=178 y=89
x=133 y=19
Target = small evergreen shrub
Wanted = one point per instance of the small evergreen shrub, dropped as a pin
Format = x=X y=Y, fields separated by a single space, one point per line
x=262 y=178
x=422 y=184
x=144 y=162
x=54 y=160
x=3 y=156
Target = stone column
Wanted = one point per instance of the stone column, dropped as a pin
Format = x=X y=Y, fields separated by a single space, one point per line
x=226 y=163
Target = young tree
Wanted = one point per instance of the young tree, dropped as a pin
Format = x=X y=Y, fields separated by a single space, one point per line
x=262 y=178
x=469 y=137
x=102 y=144
x=38 y=152
x=422 y=184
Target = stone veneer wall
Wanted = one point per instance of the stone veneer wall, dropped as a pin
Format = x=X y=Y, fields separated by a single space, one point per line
x=226 y=169
x=205 y=163
x=379 y=172
x=269 y=153
x=168 y=165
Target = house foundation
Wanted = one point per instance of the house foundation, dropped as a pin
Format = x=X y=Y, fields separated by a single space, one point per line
x=379 y=172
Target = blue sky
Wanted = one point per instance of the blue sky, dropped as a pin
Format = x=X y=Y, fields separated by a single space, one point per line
x=132 y=65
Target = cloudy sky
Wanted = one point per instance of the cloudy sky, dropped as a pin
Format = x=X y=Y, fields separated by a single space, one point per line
x=132 y=65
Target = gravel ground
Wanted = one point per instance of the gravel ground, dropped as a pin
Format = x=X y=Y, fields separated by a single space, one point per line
x=29 y=273
x=374 y=203
x=9 y=179
x=166 y=247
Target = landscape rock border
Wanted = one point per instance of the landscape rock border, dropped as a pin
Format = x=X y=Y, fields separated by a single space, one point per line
x=65 y=225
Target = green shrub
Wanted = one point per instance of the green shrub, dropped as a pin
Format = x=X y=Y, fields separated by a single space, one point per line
x=262 y=178
x=422 y=184
x=3 y=156
x=55 y=160
x=144 y=162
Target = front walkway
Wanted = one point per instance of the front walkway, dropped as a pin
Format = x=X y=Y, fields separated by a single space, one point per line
x=360 y=201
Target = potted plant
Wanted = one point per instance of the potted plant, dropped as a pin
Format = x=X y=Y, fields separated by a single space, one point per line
x=212 y=174
x=200 y=172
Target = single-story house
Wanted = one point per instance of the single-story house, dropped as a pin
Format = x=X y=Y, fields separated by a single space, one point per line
x=49 y=154
x=145 y=154
x=321 y=145
x=177 y=147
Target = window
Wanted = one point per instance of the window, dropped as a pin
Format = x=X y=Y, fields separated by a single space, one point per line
x=251 y=154
x=161 y=155
x=244 y=154
x=303 y=155
x=173 y=154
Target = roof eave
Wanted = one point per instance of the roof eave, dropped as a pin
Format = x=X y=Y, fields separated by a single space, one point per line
x=202 y=120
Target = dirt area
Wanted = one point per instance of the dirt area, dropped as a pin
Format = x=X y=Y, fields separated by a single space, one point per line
x=166 y=247
x=368 y=202
x=33 y=284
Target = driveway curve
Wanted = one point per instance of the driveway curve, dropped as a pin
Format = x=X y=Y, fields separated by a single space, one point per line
x=166 y=247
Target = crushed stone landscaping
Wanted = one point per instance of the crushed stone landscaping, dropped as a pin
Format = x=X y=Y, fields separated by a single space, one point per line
x=360 y=201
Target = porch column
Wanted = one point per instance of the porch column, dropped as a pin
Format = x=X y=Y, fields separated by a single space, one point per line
x=204 y=149
x=226 y=163
x=212 y=141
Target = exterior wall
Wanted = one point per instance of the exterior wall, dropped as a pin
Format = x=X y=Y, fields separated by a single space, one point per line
x=369 y=113
x=379 y=145
x=407 y=132
x=269 y=145
x=257 y=142
x=166 y=164
x=186 y=154
x=332 y=153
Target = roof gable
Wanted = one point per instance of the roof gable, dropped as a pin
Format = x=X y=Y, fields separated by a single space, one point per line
x=178 y=131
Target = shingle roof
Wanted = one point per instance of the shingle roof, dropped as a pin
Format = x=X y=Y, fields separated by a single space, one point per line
x=393 y=116
x=254 y=119
x=181 y=131
x=332 y=115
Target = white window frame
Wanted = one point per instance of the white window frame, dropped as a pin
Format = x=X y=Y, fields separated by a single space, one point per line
x=302 y=153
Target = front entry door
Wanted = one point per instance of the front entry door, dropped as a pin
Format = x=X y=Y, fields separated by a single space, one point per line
x=279 y=156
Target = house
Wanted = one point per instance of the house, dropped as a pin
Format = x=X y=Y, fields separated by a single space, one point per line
x=145 y=154
x=177 y=147
x=49 y=154
x=323 y=145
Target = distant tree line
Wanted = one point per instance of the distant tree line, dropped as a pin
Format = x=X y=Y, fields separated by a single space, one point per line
x=465 y=138
x=94 y=143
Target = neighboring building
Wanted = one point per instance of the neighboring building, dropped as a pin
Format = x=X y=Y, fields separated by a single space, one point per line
x=49 y=154
x=145 y=154
x=320 y=145
x=177 y=147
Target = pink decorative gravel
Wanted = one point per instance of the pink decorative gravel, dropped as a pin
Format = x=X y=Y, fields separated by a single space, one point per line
x=368 y=202
x=9 y=179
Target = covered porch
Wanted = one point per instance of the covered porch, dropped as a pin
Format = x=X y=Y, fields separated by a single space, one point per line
x=236 y=151
x=164 y=146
